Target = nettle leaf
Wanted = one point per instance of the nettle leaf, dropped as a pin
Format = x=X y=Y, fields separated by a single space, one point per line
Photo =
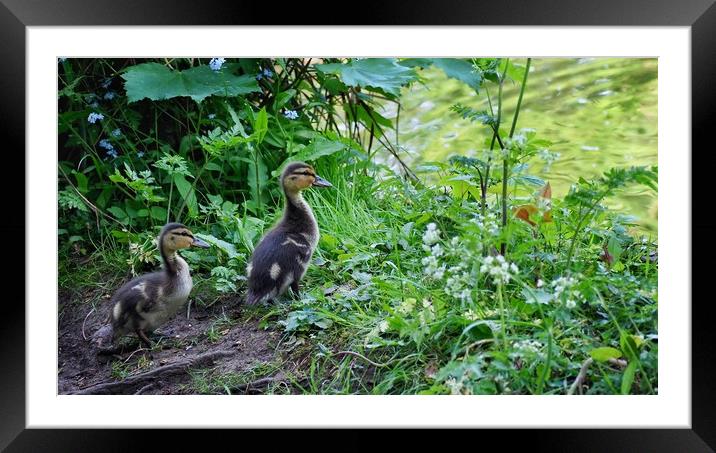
x=461 y=70
x=382 y=73
x=224 y=246
x=318 y=148
x=157 y=82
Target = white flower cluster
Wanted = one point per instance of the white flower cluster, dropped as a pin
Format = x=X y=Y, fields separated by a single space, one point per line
x=432 y=267
x=500 y=270
x=563 y=288
x=454 y=385
x=431 y=236
x=548 y=157
x=487 y=223
x=427 y=314
x=531 y=347
x=458 y=284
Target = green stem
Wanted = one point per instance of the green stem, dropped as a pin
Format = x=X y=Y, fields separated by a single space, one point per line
x=578 y=229
x=550 y=336
x=506 y=160
x=169 y=206
x=500 y=299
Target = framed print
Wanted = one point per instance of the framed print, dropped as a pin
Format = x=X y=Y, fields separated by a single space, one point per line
x=449 y=220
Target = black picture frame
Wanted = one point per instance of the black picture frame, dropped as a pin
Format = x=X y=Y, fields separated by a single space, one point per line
x=699 y=15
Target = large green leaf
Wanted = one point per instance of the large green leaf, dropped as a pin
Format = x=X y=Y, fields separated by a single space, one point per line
x=459 y=69
x=628 y=378
x=187 y=193
x=455 y=68
x=382 y=73
x=156 y=82
x=318 y=148
x=605 y=353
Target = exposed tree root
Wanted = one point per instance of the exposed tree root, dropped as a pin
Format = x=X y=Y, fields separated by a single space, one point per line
x=585 y=367
x=143 y=380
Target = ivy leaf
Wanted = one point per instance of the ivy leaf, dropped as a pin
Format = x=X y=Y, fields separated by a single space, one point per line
x=381 y=73
x=157 y=82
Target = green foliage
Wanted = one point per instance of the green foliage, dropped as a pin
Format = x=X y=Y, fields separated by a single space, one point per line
x=385 y=74
x=157 y=82
x=464 y=277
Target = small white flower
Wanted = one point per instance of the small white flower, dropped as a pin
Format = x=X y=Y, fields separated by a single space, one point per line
x=500 y=270
x=437 y=250
x=383 y=326
x=471 y=315
x=431 y=235
x=540 y=283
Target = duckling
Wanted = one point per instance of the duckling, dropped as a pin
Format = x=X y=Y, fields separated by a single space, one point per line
x=281 y=258
x=150 y=300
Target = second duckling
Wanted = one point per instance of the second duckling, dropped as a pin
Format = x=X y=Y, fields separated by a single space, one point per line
x=148 y=301
x=281 y=258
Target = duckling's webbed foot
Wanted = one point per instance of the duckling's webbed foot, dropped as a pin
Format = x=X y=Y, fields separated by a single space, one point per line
x=142 y=336
x=295 y=290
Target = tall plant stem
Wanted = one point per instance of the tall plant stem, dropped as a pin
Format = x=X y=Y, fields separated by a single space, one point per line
x=506 y=160
x=578 y=229
x=500 y=298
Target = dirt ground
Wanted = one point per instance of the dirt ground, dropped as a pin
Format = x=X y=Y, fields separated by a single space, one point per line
x=237 y=345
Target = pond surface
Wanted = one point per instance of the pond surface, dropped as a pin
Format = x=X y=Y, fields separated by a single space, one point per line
x=597 y=112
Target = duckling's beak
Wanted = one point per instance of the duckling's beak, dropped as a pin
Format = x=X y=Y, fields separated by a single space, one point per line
x=320 y=182
x=199 y=243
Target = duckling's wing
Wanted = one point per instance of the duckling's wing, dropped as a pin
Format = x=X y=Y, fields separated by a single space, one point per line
x=139 y=294
x=279 y=259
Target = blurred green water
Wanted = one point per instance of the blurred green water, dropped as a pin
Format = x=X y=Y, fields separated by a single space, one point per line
x=598 y=112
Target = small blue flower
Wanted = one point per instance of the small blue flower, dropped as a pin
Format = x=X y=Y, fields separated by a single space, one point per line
x=94 y=117
x=140 y=154
x=116 y=133
x=112 y=153
x=211 y=116
x=107 y=82
x=216 y=63
x=290 y=114
x=110 y=95
x=264 y=73
x=106 y=144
